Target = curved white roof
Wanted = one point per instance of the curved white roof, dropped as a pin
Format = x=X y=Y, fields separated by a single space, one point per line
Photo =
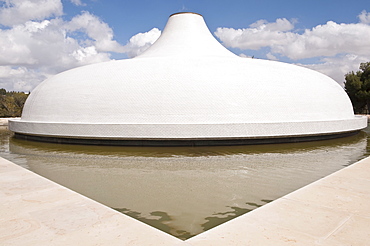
x=187 y=86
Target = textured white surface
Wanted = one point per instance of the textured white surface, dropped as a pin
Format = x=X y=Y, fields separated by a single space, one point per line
x=190 y=81
x=189 y=131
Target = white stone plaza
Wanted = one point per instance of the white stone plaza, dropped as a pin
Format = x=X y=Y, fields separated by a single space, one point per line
x=332 y=211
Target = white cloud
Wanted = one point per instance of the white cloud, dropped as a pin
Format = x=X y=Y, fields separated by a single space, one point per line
x=335 y=44
x=20 y=78
x=327 y=40
x=78 y=3
x=323 y=40
x=364 y=17
x=16 y=12
x=280 y=25
x=141 y=41
x=260 y=34
x=18 y=45
x=34 y=50
x=336 y=67
x=97 y=30
x=45 y=45
x=271 y=57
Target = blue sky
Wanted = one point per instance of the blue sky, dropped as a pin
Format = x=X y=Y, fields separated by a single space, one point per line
x=39 y=38
x=127 y=18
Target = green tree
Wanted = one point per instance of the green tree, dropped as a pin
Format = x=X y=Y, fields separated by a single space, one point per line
x=11 y=103
x=357 y=86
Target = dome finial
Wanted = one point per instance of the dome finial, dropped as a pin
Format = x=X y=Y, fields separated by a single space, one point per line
x=186 y=35
x=179 y=13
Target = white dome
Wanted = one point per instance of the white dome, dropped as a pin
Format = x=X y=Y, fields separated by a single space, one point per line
x=187 y=86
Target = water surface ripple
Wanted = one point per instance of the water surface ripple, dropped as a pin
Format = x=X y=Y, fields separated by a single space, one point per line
x=185 y=190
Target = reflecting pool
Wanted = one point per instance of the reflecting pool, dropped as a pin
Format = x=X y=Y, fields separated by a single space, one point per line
x=185 y=190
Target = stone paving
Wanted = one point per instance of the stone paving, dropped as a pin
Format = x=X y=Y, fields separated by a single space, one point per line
x=332 y=211
x=4 y=121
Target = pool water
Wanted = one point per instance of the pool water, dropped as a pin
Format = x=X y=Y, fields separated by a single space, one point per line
x=185 y=190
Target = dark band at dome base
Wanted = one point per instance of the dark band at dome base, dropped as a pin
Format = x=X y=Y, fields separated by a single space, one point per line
x=185 y=142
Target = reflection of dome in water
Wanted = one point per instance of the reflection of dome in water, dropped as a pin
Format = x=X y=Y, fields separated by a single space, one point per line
x=187 y=87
